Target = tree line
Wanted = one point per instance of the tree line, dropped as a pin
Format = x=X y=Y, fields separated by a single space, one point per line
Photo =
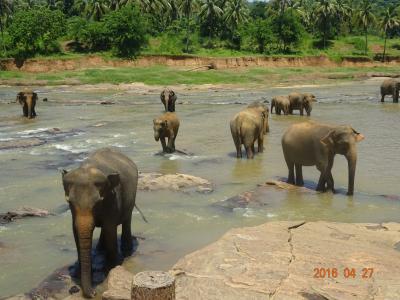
x=31 y=27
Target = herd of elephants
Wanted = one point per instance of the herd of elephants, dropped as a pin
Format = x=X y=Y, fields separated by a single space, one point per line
x=101 y=192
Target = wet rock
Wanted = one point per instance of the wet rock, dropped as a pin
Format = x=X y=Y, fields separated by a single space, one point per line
x=277 y=260
x=21 y=143
x=119 y=282
x=44 y=99
x=22 y=212
x=107 y=102
x=173 y=182
x=73 y=290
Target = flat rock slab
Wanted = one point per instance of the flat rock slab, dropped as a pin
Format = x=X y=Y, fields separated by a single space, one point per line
x=174 y=182
x=277 y=261
x=22 y=143
x=119 y=282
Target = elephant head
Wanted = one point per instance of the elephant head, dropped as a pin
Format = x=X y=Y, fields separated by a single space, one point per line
x=264 y=110
x=159 y=126
x=168 y=98
x=85 y=189
x=308 y=100
x=342 y=140
x=27 y=99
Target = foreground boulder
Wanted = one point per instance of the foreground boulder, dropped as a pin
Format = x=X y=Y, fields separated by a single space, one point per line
x=174 y=182
x=278 y=260
x=119 y=282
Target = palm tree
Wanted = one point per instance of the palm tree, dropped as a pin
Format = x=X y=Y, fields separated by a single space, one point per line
x=6 y=9
x=210 y=12
x=186 y=7
x=389 y=21
x=96 y=9
x=365 y=18
x=344 y=11
x=236 y=12
x=325 y=13
x=306 y=11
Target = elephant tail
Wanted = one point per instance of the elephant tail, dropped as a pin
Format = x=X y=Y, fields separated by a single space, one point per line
x=140 y=212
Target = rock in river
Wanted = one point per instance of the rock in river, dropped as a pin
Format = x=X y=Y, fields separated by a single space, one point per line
x=278 y=260
x=22 y=212
x=174 y=182
x=21 y=143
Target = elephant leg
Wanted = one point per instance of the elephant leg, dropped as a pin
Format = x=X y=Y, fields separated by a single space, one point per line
x=25 y=111
x=34 y=112
x=126 y=237
x=111 y=245
x=278 y=110
x=100 y=243
x=290 y=166
x=249 y=151
x=301 y=110
x=163 y=144
x=396 y=97
x=322 y=178
x=253 y=150
x=299 y=175
x=261 y=143
x=383 y=98
x=331 y=183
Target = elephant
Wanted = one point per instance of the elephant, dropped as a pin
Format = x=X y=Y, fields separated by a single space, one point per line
x=390 y=87
x=281 y=103
x=248 y=126
x=166 y=126
x=316 y=144
x=27 y=99
x=168 y=98
x=101 y=192
x=301 y=101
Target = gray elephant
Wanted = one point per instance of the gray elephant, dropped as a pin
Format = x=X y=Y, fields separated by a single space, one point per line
x=168 y=98
x=301 y=101
x=166 y=126
x=248 y=126
x=315 y=144
x=101 y=193
x=281 y=104
x=27 y=99
x=390 y=87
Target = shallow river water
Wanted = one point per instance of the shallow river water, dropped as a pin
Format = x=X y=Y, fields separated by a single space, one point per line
x=181 y=222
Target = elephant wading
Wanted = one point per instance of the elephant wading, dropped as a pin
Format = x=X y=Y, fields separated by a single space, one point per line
x=27 y=99
x=101 y=193
x=168 y=98
x=390 y=87
x=166 y=126
x=314 y=144
x=248 y=126
x=301 y=102
x=281 y=104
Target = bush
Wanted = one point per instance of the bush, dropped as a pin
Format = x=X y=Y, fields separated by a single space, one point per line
x=288 y=30
x=257 y=35
x=36 y=31
x=126 y=29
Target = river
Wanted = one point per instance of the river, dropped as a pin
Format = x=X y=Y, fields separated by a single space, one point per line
x=181 y=222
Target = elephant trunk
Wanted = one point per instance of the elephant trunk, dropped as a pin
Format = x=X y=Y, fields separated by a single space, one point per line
x=84 y=226
x=166 y=103
x=352 y=162
x=29 y=103
x=156 y=135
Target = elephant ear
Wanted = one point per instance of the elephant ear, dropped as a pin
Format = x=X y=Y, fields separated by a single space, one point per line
x=114 y=180
x=328 y=139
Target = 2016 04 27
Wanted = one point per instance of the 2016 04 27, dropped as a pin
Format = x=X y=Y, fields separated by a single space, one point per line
x=347 y=273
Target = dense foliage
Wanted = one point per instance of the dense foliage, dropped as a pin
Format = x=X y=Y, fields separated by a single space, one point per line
x=31 y=27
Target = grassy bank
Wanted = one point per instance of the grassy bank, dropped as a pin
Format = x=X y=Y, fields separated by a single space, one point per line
x=162 y=75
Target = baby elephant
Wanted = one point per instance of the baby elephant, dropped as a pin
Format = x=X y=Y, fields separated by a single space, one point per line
x=101 y=193
x=315 y=144
x=281 y=103
x=390 y=87
x=27 y=99
x=168 y=98
x=248 y=126
x=166 y=126
x=301 y=102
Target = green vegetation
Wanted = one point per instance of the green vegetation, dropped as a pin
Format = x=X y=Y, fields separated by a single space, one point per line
x=125 y=28
x=162 y=75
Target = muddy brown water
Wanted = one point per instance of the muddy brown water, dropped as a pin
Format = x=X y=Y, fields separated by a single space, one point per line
x=181 y=222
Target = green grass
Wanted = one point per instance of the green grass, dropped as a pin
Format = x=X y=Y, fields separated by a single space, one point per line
x=162 y=75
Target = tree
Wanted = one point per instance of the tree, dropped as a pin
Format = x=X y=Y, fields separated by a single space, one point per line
x=326 y=13
x=389 y=21
x=96 y=9
x=186 y=8
x=210 y=14
x=287 y=29
x=260 y=33
x=365 y=18
x=126 y=29
x=236 y=12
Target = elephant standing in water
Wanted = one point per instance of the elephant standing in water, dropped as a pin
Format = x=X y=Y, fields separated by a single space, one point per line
x=301 y=102
x=168 y=98
x=101 y=193
x=166 y=126
x=248 y=126
x=27 y=99
x=281 y=103
x=315 y=144
x=390 y=87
